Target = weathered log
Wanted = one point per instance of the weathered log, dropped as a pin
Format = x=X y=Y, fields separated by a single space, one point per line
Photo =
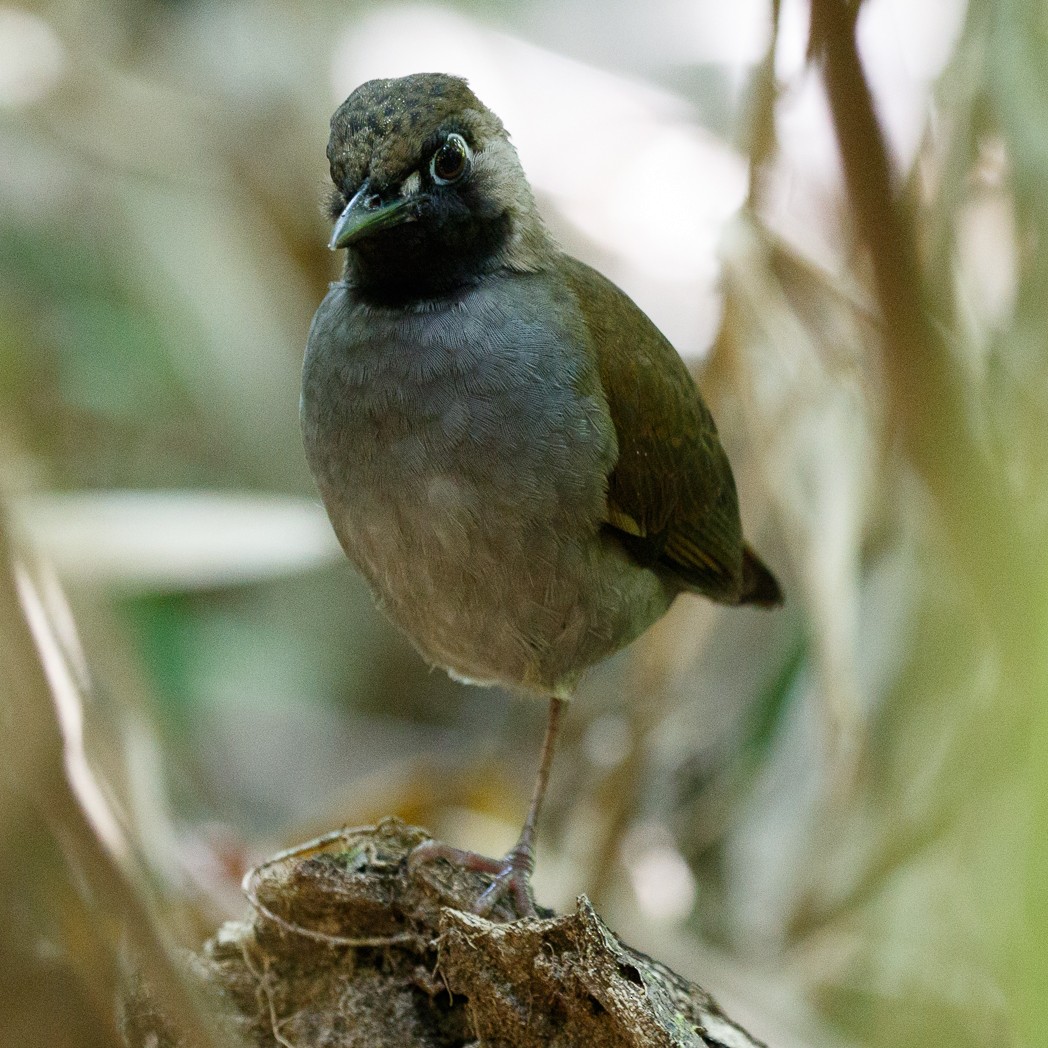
x=349 y=947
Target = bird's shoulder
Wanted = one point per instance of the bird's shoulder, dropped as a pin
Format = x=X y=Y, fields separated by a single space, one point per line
x=671 y=494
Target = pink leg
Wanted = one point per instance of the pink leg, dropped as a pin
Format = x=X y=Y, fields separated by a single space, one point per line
x=513 y=873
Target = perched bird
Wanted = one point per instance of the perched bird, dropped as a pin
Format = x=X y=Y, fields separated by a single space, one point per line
x=509 y=450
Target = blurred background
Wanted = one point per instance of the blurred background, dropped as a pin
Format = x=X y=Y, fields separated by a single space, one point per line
x=833 y=816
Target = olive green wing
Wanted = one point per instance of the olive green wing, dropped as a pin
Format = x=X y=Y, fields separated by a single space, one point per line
x=671 y=494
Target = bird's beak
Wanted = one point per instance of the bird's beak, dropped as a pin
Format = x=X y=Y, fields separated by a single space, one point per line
x=365 y=214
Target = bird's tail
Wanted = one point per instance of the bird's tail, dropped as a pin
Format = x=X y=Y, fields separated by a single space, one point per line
x=759 y=585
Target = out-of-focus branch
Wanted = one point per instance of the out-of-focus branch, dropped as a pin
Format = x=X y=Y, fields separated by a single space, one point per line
x=914 y=350
x=997 y=539
x=49 y=802
x=761 y=129
x=938 y=423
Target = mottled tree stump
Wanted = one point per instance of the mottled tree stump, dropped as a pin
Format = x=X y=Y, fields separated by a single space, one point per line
x=347 y=947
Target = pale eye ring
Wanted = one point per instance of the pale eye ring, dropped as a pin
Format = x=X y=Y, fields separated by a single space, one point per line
x=451 y=161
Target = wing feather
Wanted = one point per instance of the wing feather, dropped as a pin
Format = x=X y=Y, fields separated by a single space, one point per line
x=671 y=494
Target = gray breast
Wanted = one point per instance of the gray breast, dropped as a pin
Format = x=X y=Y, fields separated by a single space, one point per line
x=462 y=453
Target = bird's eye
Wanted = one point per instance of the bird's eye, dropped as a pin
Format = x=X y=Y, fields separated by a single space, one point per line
x=451 y=161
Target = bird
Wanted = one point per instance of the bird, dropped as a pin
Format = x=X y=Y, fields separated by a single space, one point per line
x=509 y=450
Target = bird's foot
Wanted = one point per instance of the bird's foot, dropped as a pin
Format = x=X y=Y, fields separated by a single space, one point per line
x=512 y=874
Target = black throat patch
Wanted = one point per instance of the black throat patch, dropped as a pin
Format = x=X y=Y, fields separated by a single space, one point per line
x=432 y=257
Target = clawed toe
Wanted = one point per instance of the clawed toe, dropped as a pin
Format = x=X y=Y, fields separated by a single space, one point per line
x=511 y=875
x=514 y=878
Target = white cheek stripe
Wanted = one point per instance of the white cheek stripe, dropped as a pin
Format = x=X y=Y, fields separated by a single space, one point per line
x=411 y=185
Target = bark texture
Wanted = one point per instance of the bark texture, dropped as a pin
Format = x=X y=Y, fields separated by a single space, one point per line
x=347 y=947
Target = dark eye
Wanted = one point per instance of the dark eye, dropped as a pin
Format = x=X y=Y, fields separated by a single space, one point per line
x=451 y=161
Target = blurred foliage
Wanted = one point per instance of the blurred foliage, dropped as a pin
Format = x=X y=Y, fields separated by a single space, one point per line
x=834 y=816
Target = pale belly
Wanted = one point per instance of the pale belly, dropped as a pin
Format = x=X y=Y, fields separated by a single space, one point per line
x=529 y=604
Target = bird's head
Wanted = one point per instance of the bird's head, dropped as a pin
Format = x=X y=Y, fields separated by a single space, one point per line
x=428 y=192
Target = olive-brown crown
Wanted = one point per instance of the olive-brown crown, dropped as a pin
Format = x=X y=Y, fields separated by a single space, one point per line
x=385 y=127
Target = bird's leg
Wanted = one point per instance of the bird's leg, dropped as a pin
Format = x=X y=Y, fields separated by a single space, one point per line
x=512 y=873
x=515 y=875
